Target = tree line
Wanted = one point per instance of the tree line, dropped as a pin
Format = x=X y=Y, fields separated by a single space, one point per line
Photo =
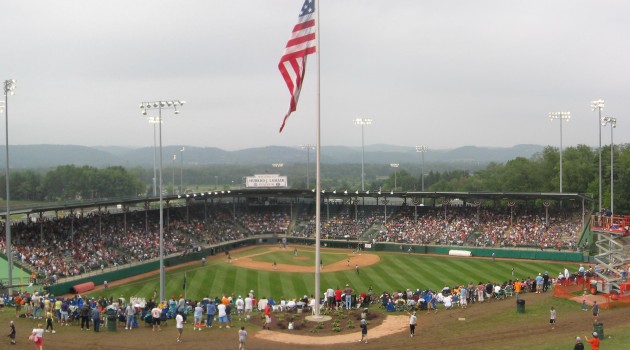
x=540 y=173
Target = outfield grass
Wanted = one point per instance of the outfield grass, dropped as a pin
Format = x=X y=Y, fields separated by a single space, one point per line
x=395 y=272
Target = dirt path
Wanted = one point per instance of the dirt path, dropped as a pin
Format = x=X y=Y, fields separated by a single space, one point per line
x=391 y=325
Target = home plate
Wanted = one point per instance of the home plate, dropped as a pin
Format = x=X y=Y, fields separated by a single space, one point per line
x=461 y=319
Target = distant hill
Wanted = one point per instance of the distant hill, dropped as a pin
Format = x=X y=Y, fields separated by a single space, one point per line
x=47 y=156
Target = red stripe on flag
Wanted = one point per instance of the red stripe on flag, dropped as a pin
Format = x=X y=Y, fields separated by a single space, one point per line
x=292 y=65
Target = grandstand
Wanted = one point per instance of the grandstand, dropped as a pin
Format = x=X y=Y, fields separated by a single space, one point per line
x=75 y=239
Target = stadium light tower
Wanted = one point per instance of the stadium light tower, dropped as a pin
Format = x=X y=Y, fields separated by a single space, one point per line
x=9 y=89
x=599 y=105
x=613 y=124
x=422 y=150
x=181 y=170
x=154 y=121
x=395 y=166
x=308 y=148
x=363 y=122
x=173 y=173
x=160 y=105
x=562 y=116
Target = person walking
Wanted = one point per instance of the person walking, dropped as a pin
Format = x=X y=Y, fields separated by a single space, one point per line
x=49 y=322
x=38 y=337
x=364 y=331
x=413 y=319
x=595 y=310
x=267 y=316
x=578 y=344
x=242 y=338
x=179 y=324
x=12 y=332
x=552 y=318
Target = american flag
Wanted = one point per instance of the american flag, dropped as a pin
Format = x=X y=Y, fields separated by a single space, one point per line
x=293 y=62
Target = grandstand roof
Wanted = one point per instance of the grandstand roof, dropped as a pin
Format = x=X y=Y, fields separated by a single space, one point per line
x=296 y=193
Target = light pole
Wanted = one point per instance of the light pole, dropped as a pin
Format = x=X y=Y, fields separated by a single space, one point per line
x=277 y=165
x=422 y=150
x=181 y=171
x=9 y=89
x=160 y=105
x=395 y=166
x=308 y=148
x=613 y=124
x=173 y=170
x=154 y=121
x=562 y=116
x=363 y=122
x=599 y=105
x=216 y=182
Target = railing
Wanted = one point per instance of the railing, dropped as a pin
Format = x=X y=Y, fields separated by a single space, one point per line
x=613 y=224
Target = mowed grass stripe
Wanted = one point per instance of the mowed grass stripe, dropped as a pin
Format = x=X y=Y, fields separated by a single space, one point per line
x=276 y=284
x=392 y=277
x=465 y=271
x=303 y=283
x=251 y=281
x=369 y=278
x=329 y=280
x=218 y=281
x=431 y=274
x=401 y=265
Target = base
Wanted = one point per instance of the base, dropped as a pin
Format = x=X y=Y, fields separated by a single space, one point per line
x=320 y=318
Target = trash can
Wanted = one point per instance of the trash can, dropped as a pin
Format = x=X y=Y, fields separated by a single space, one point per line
x=599 y=328
x=111 y=320
x=520 y=306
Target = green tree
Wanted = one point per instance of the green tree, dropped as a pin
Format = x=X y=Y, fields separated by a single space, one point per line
x=521 y=175
x=579 y=167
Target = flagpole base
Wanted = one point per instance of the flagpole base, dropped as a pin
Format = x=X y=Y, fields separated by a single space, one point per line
x=320 y=318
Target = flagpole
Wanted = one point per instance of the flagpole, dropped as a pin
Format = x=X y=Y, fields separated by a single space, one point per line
x=317 y=172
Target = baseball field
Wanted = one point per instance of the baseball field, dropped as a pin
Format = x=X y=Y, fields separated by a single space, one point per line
x=494 y=325
x=293 y=277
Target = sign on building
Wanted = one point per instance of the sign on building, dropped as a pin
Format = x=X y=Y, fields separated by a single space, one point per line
x=266 y=181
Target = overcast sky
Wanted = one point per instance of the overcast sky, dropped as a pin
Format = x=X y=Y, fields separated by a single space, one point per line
x=438 y=73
